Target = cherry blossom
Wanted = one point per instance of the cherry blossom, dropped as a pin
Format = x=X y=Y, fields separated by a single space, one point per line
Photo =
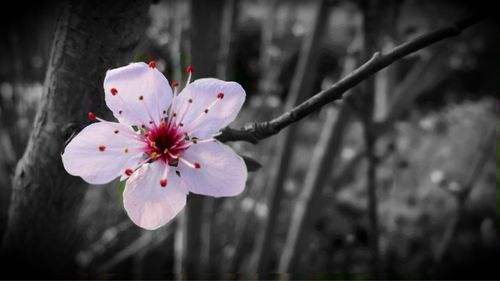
x=162 y=144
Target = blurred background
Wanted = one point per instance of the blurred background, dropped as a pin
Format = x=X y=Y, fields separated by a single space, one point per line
x=397 y=183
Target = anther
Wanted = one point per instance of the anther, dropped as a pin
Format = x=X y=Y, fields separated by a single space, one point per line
x=175 y=84
x=197 y=165
x=129 y=172
x=164 y=112
x=174 y=114
x=163 y=182
x=102 y=148
x=190 y=69
x=125 y=150
x=150 y=121
x=116 y=131
x=91 y=116
x=114 y=91
x=178 y=173
x=154 y=155
x=143 y=126
x=190 y=100
x=152 y=64
x=181 y=124
x=141 y=97
x=220 y=95
x=120 y=112
x=152 y=144
x=206 y=110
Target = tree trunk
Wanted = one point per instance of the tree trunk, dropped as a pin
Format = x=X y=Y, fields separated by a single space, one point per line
x=91 y=37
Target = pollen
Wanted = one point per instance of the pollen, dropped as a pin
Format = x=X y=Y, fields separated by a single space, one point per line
x=154 y=155
x=152 y=64
x=114 y=91
x=129 y=172
x=141 y=97
x=102 y=148
x=163 y=182
x=220 y=95
x=197 y=165
x=91 y=116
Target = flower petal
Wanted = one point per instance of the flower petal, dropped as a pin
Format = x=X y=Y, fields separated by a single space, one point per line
x=148 y=204
x=221 y=172
x=202 y=93
x=137 y=94
x=98 y=153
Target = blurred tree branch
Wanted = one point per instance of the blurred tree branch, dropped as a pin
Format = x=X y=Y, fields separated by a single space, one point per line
x=254 y=132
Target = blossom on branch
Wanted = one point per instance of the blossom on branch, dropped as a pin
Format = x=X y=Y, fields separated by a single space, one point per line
x=162 y=143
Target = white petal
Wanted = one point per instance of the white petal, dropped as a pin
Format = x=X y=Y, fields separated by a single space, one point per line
x=148 y=204
x=82 y=156
x=222 y=172
x=202 y=93
x=132 y=82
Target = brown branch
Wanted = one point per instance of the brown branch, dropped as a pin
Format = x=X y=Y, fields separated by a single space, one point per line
x=254 y=132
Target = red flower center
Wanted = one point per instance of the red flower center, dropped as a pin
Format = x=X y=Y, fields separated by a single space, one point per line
x=165 y=142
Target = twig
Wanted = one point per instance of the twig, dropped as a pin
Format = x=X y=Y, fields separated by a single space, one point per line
x=254 y=132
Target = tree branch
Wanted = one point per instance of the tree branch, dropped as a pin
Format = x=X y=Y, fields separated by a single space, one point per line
x=254 y=132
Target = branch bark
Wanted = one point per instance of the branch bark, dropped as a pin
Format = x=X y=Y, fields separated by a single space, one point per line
x=91 y=37
x=254 y=132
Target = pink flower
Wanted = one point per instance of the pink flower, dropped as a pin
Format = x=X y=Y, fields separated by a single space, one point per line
x=171 y=152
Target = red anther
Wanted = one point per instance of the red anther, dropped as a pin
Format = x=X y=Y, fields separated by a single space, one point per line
x=190 y=69
x=163 y=182
x=175 y=84
x=114 y=91
x=102 y=147
x=91 y=116
x=129 y=172
x=197 y=165
x=220 y=95
x=152 y=64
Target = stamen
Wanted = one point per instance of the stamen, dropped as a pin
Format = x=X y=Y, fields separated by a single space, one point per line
x=154 y=155
x=163 y=182
x=194 y=165
x=152 y=64
x=190 y=73
x=197 y=120
x=91 y=116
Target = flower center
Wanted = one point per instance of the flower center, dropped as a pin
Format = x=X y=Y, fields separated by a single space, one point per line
x=165 y=142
